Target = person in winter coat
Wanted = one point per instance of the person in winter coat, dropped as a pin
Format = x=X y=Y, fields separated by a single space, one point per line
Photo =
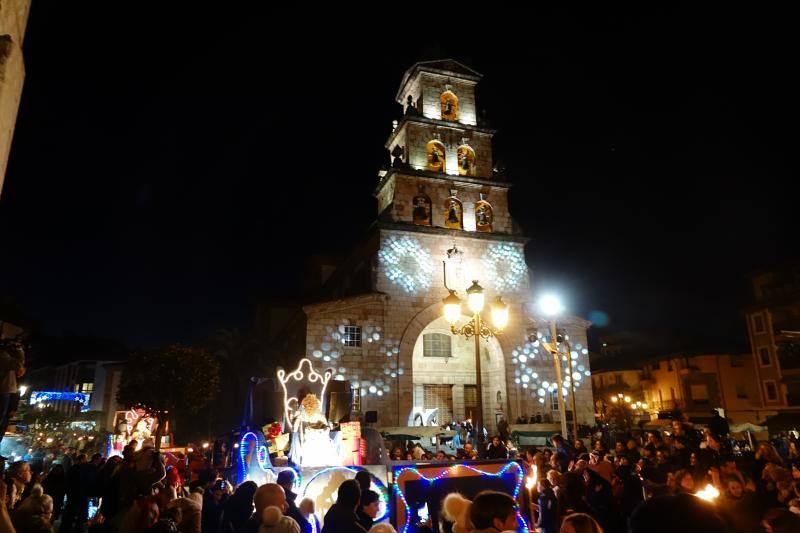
x=548 y=508
x=191 y=509
x=341 y=517
x=239 y=507
x=496 y=449
x=34 y=514
x=55 y=484
x=306 y=507
x=270 y=495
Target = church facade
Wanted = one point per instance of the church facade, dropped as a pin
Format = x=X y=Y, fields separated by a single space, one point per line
x=443 y=217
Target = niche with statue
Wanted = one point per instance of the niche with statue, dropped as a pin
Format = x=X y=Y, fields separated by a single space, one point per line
x=453 y=212
x=484 y=216
x=436 y=156
x=422 y=212
x=449 y=104
x=466 y=160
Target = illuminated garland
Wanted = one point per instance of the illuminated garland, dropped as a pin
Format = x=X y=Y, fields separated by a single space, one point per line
x=452 y=469
x=56 y=396
x=383 y=492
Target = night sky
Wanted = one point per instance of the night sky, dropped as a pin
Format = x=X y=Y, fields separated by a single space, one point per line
x=170 y=166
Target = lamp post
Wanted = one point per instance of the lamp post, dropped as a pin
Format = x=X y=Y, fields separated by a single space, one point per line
x=551 y=306
x=476 y=328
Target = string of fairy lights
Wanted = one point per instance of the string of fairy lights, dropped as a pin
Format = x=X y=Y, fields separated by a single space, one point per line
x=448 y=471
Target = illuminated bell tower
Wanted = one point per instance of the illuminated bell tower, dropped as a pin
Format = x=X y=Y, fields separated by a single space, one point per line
x=440 y=202
x=442 y=196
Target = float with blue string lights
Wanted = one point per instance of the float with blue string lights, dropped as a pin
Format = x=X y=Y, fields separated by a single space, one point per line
x=450 y=471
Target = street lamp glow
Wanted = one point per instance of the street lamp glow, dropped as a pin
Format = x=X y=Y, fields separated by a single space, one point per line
x=614 y=399
x=550 y=305
x=475 y=297
x=452 y=308
x=500 y=314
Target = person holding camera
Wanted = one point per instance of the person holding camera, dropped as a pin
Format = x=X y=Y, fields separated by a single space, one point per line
x=12 y=366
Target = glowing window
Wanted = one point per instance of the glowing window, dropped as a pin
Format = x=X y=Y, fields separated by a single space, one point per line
x=554 y=400
x=771 y=390
x=352 y=336
x=763 y=356
x=436 y=345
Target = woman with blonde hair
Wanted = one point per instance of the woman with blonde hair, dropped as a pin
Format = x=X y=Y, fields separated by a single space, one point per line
x=580 y=523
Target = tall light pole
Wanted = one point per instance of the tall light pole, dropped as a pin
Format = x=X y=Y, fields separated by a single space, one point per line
x=476 y=328
x=551 y=307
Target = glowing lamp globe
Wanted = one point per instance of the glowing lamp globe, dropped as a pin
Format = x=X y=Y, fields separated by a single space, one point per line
x=475 y=297
x=500 y=314
x=550 y=305
x=452 y=308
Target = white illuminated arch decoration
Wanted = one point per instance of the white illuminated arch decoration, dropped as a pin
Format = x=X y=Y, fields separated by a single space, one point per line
x=309 y=376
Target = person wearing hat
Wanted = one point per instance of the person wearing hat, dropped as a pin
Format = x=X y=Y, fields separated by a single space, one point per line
x=599 y=495
x=286 y=479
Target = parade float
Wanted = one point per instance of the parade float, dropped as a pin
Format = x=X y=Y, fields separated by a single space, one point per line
x=324 y=453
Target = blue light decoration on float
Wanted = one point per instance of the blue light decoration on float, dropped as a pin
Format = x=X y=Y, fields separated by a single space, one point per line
x=56 y=396
x=383 y=491
x=447 y=472
x=262 y=456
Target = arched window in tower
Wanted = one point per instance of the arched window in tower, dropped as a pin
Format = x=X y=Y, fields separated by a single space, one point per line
x=422 y=212
x=449 y=102
x=453 y=212
x=436 y=156
x=466 y=160
x=484 y=216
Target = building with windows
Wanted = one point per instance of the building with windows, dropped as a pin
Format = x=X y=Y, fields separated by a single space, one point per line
x=773 y=327
x=693 y=384
x=13 y=20
x=97 y=379
x=441 y=208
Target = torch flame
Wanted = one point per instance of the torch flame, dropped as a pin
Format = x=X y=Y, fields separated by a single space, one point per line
x=530 y=482
x=710 y=493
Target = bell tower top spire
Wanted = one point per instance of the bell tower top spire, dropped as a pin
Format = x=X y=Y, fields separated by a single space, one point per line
x=442 y=90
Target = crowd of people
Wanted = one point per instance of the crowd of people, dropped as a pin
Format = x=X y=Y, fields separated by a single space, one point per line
x=683 y=479
x=615 y=488
x=139 y=493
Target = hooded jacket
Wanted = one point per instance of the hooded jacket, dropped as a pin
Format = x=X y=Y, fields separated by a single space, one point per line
x=339 y=519
x=273 y=521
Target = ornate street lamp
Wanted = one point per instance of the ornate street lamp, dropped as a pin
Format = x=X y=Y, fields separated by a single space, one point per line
x=476 y=328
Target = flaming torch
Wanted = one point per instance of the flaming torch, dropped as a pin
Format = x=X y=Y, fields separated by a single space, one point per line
x=709 y=494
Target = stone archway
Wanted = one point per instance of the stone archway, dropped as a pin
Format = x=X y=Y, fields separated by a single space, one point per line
x=494 y=369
